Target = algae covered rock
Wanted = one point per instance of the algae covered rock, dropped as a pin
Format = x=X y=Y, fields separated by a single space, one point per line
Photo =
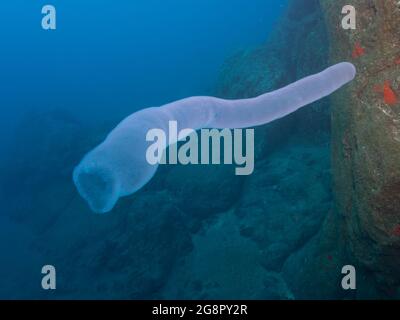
x=366 y=135
x=127 y=254
x=201 y=190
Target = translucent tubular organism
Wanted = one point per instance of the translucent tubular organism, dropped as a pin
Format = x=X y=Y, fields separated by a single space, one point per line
x=118 y=166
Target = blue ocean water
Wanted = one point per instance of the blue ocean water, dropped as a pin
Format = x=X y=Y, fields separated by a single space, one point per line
x=122 y=55
x=63 y=90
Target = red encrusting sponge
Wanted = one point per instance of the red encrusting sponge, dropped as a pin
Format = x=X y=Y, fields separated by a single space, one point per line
x=388 y=94
x=358 y=51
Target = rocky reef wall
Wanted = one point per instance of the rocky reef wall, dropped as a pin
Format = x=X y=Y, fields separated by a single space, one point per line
x=366 y=137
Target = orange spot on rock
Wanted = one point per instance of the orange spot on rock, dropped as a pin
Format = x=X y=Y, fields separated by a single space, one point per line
x=388 y=94
x=358 y=51
x=397 y=61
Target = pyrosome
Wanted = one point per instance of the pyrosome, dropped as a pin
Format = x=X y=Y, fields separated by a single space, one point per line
x=118 y=166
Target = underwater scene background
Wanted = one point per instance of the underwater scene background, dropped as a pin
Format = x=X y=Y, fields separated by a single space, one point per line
x=197 y=231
